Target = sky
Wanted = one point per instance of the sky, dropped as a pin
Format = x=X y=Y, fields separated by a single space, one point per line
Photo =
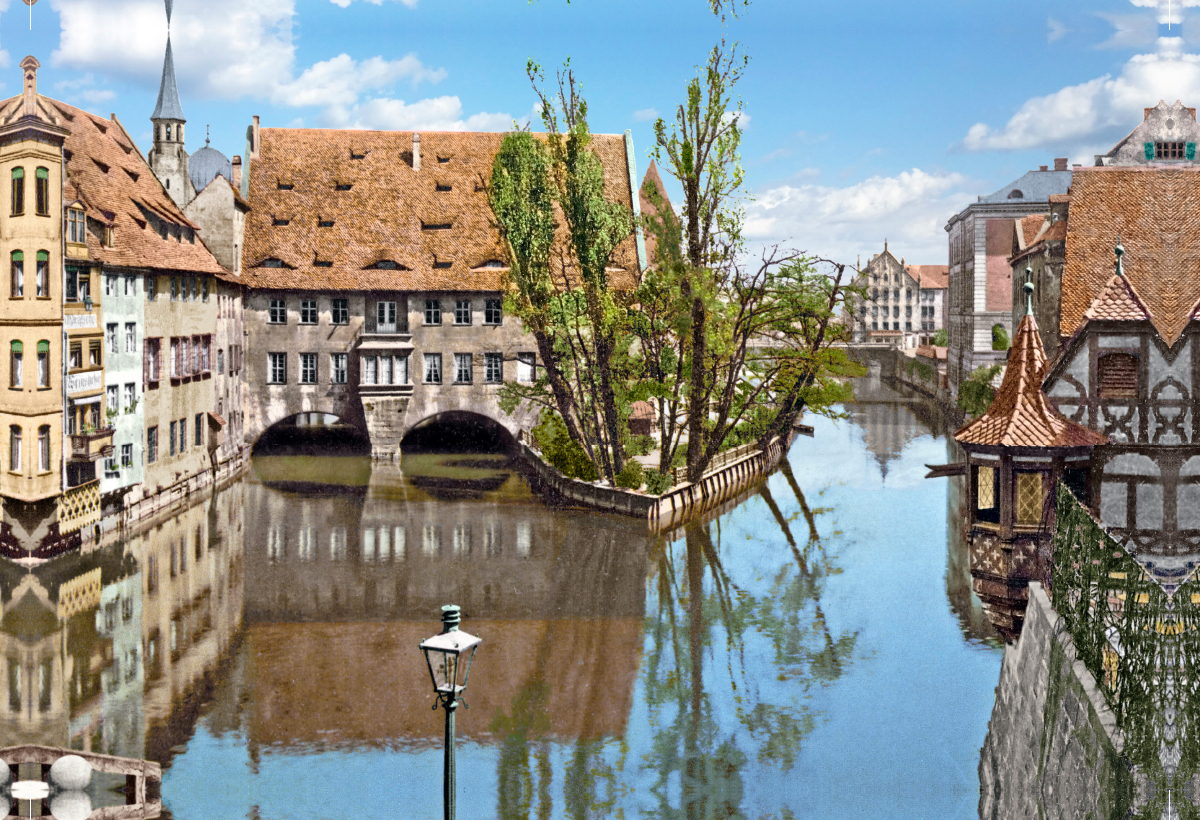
x=863 y=121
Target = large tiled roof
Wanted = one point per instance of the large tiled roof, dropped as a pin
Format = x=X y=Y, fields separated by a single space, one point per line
x=388 y=211
x=1020 y=415
x=108 y=175
x=1156 y=213
x=930 y=277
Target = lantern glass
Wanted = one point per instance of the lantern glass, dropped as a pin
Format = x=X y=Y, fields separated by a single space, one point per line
x=448 y=657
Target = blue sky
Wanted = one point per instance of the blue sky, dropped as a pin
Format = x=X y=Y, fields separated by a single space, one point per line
x=865 y=120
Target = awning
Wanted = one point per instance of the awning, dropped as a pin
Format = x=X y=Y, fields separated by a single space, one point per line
x=215 y=420
x=88 y=400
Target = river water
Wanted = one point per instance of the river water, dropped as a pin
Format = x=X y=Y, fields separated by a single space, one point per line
x=815 y=652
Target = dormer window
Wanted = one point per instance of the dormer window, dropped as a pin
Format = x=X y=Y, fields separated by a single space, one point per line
x=103 y=168
x=324 y=223
x=1016 y=193
x=132 y=175
x=75 y=226
x=344 y=186
x=276 y=221
x=285 y=186
x=443 y=160
x=357 y=156
x=385 y=264
x=441 y=187
x=441 y=265
x=493 y=263
x=322 y=263
x=272 y=263
x=109 y=236
x=436 y=226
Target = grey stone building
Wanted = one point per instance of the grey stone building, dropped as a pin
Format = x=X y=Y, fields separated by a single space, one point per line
x=1167 y=133
x=979 y=292
x=374 y=279
x=903 y=304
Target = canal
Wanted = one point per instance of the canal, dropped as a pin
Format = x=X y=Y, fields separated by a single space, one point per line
x=813 y=652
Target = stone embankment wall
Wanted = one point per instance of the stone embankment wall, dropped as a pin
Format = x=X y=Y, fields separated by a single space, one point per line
x=1053 y=749
x=734 y=474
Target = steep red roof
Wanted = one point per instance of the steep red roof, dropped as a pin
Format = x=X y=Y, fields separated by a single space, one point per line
x=648 y=208
x=1156 y=212
x=1020 y=415
x=930 y=277
x=1118 y=302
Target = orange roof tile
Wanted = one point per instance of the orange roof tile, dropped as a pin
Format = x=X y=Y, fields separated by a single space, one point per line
x=1020 y=415
x=389 y=210
x=108 y=175
x=930 y=277
x=1029 y=228
x=1118 y=302
x=1156 y=212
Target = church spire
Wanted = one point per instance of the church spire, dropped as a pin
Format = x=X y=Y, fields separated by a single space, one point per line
x=168 y=107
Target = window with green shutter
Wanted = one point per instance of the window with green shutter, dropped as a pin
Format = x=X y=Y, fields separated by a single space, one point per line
x=43 y=192
x=1191 y=150
x=18 y=191
x=1149 y=150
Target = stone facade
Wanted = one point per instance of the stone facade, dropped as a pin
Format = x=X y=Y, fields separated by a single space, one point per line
x=1167 y=133
x=1053 y=749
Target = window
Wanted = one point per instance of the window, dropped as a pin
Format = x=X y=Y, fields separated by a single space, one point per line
x=43 y=363
x=462 y=312
x=1171 y=150
x=171 y=443
x=18 y=274
x=113 y=397
x=44 y=448
x=385 y=317
x=526 y=367
x=987 y=495
x=14 y=448
x=337 y=368
x=151 y=288
x=277 y=373
x=78 y=285
x=176 y=358
x=18 y=191
x=908 y=326
x=127 y=455
x=130 y=396
x=493 y=372
x=182 y=435
x=43 y=273
x=308 y=311
x=152 y=445
x=385 y=369
x=491 y=311
x=204 y=288
x=278 y=312
x=174 y=288
x=130 y=285
x=1118 y=376
x=1029 y=498
x=324 y=223
x=401 y=370
x=308 y=368
x=151 y=360
x=130 y=337
x=433 y=368
x=341 y=311
x=220 y=362
x=194 y=286
x=462 y=368
x=76 y=356
x=433 y=312
x=874 y=325
x=110 y=284
x=370 y=373
x=75 y=226
x=110 y=336
x=16 y=357
x=199 y=431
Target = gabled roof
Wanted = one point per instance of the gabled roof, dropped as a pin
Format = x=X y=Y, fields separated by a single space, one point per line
x=434 y=223
x=1156 y=213
x=647 y=207
x=1118 y=302
x=930 y=277
x=1020 y=415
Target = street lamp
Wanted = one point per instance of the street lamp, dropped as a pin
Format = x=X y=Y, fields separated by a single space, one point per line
x=448 y=656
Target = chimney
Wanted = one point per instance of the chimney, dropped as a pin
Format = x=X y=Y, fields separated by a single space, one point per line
x=416 y=151
x=1043 y=167
x=255 y=146
x=237 y=172
x=1060 y=163
x=30 y=65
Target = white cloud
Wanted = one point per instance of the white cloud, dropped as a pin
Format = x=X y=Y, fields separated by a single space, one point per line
x=345 y=3
x=743 y=119
x=645 y=114
x=341 y=80
x=1130 y=30
x=910 y=209
x=1165 y=10
x=1104 y=107
x=1056 y=30
x=434 y=114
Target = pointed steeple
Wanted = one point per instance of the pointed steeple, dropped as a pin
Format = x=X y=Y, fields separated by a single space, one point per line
x=168 y=107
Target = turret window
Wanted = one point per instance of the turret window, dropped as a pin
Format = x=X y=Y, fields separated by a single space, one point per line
x=987 y=495
x=1029 y=498
x=168 y=132
x=18 y=275
x=18 y=191
x=43 y=192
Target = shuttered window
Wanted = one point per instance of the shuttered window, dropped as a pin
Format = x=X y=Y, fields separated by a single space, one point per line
x=1118 y=376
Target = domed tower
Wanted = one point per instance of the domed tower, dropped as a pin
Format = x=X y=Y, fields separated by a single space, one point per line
x=206 y=165
x=168 y=158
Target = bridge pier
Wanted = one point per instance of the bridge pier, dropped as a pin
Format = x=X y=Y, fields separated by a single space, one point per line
x=385 y=418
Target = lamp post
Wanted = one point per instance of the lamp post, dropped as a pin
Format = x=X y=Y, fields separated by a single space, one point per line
x=448 y=656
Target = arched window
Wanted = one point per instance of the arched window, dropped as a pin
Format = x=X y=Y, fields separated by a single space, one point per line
x=17 y=280
x=18 y=191
x=43 y=273
x=1015 y=193
x=15 y=360
x=168 y=136
x=43 y=363
x=43 y=191
x=14 y=448
x=1117 y=374
x=44 y=448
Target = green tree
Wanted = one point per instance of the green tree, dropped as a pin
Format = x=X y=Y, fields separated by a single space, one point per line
x=941 y=338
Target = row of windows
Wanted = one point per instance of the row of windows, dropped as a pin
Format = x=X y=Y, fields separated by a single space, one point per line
x=113 y=340
x=389 y=542
x=876 y=293
x=15 y=438
x=185 y=288
x=393 y=369
x=42 y=188
x=177 y=443
x=386 y=313
x=16 y=364
x=17 y=276
x=895 y=326
x=111 y=469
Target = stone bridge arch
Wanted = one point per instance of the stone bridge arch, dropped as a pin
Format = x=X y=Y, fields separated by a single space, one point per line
x=311 y=429
x=389 y=418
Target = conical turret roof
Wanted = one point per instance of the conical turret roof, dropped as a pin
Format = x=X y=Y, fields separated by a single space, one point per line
x=168 y=107
x=1020 y=415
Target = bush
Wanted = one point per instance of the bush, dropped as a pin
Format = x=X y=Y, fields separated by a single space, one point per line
x=941 y=338
x=631 y=476
x=657 y=483
x=975 y=394
x=556 y=445
x=999 y=338
x=639 y=445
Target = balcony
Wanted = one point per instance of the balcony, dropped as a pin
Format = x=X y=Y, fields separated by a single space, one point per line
x=385 y=328
x=92 y=445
